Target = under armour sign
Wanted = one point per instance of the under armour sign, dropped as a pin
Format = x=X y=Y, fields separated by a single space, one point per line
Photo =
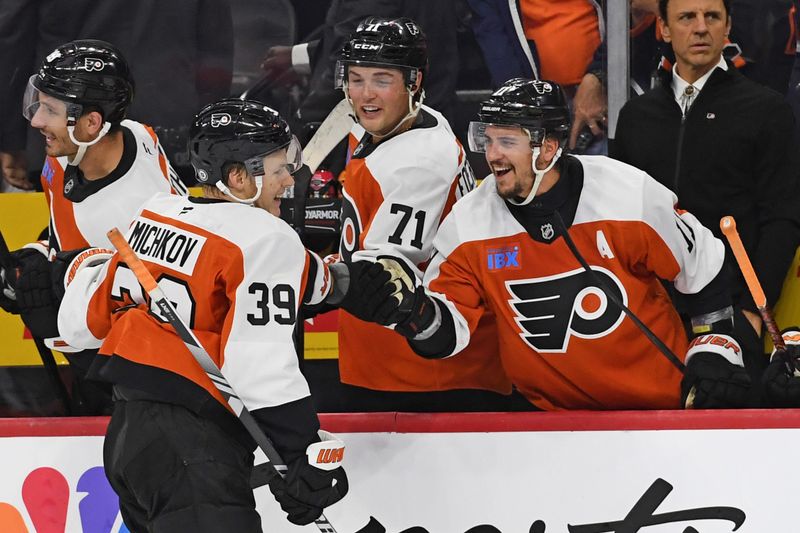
x=551 y=310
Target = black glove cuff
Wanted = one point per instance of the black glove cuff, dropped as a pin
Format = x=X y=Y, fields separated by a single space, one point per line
x=421 y=315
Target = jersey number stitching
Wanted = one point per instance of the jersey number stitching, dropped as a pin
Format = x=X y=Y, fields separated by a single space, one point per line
x=283 y=298
x=406 y=212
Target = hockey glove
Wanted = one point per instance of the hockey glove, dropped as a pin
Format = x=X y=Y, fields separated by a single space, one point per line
x=369 y=294
x=66 y=266
x=781 y=385
x=415 y=311
x=313 y=482
x=715 y=377
x=37 y=304
x=8 y=297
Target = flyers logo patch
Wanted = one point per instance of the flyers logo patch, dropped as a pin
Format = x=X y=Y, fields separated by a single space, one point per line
x=92 y=63
x=220 y=119
x=351 y=230
x=412 y=28
x=550 y=310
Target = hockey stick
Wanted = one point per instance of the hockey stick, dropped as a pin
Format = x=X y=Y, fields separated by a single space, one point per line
x=201 y=355
x=330 y=133
x=7 y=264
x=728 y=226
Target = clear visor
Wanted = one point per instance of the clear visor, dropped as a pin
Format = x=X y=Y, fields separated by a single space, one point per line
x=288 y=159
x=34 y=100
x=483 y=135
x=341 y=75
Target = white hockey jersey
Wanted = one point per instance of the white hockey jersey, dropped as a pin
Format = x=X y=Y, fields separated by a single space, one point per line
x=236 y=275
x=395 y=196
x=112 y=201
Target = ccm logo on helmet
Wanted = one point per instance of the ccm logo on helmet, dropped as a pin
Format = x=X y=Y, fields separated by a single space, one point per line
x=551 y=310
x=220 y=119
x=366 y=46
x=93 y=63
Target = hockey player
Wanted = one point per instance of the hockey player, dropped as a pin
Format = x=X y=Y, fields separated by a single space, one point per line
x=406 y=171
x=178 y=458
x=100 y=168
x=521 y=246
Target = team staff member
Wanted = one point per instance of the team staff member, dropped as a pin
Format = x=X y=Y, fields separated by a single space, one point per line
x=406 y=172
x=178 y=458
x=100 y=168
x=721 y=142
x=564 y=341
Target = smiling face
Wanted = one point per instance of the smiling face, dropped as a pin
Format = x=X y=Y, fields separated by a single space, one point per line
x=276 y=179
x=509 y=155
x=51 y=120
x=697 y=30
x=379 y=96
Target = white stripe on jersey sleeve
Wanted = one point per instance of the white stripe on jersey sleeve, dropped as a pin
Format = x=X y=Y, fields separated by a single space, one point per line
x=617 y=191
x=699 y=254
x=448 y=238
x=174 y=179
x=322 y=284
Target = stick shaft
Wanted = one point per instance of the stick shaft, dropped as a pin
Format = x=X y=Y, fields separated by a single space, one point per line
x=330 y=133
x=728 y=226
x=204 y=359
x=7 y=263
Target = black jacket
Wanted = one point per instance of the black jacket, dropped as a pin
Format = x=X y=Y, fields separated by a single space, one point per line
x=732 y=155
x=180 y=53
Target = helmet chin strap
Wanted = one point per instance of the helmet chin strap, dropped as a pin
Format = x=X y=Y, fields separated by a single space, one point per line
x=539 y=175
x=249 y=201
x=82 y=146
x=413 y=110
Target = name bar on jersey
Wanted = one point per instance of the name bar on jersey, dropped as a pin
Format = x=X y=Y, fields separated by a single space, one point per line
x=165 y=245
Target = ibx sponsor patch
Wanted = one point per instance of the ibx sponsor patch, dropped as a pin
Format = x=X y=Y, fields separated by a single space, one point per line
x=504 y=258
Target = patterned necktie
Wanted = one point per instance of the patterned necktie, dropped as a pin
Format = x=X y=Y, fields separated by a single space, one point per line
x=687 y=98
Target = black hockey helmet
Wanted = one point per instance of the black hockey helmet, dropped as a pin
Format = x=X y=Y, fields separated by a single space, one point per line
x=539 y=107
x=238 y=131
x=385 y=42
x=83 y=73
